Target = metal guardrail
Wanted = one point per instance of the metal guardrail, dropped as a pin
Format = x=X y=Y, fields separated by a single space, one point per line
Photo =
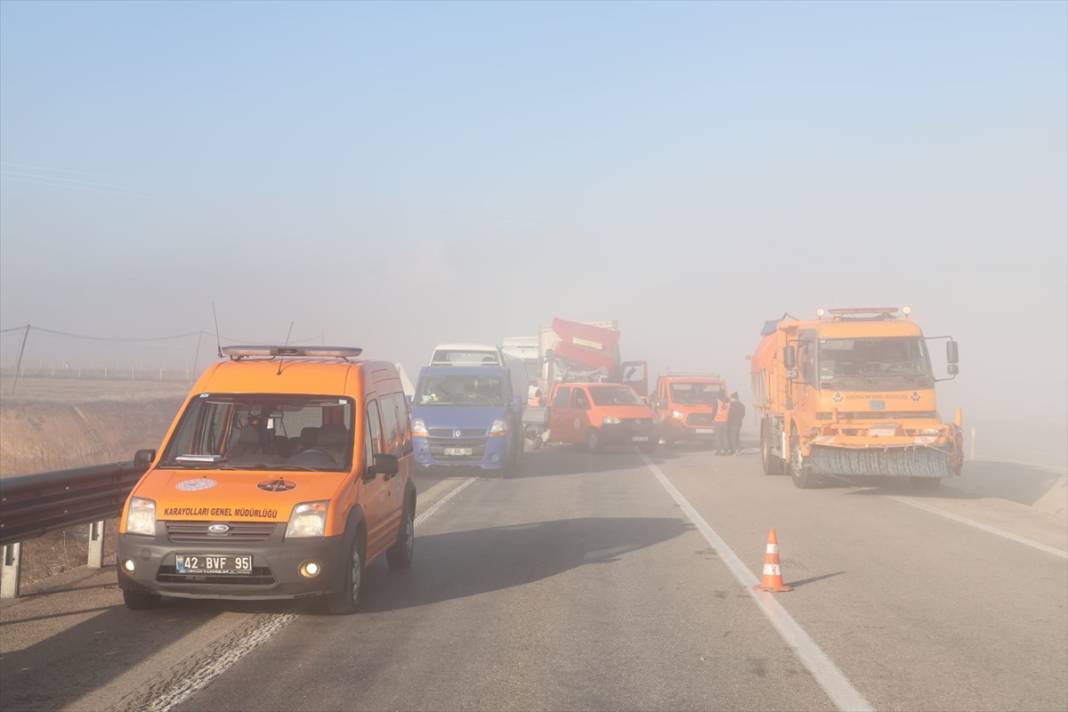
x=31 y=505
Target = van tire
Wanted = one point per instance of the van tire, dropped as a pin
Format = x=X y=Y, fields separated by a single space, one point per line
x=402 y=553
x=593 y=440
x=140 y=600
x=347 y=598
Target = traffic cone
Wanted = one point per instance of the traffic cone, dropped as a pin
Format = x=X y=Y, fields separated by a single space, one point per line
x=772 y=580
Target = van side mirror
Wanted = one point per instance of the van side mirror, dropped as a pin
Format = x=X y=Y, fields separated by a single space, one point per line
x=384 y=464
x=789 y=357
x=952 y=353
x=144 y=458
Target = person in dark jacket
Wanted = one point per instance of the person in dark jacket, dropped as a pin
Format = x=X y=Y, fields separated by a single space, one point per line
x=734 y=424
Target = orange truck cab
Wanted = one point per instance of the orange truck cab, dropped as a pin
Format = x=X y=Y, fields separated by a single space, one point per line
x=286 y=472
x=600 y=414
x=685 y=406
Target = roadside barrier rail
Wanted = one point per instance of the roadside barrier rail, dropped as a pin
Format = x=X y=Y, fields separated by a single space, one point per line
x=31 y=505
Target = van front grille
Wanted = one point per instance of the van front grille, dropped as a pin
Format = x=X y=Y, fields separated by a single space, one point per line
x=197 y=532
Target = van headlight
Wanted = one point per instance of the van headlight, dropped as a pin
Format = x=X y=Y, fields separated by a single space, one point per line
x=141 y=517
x=611 y=420
x=677 y=414
x=307 y=519
x=419 y=428
x=499 y=427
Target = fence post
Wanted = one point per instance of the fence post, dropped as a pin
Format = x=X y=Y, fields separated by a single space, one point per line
x=96 y=545
x=11 y=570
x=18 y=364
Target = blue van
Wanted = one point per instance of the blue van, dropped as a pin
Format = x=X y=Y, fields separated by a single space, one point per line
x=467 y=416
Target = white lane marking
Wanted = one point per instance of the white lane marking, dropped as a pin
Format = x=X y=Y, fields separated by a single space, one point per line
x=258 y=634
x=983 y=527
x=823 y=670
x=205 y=673
x=441 y=502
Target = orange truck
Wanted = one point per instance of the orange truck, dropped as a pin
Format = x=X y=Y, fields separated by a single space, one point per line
x=685 y=406
x=852 y=394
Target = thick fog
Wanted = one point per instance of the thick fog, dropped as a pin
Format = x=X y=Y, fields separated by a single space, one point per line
x=396 y=176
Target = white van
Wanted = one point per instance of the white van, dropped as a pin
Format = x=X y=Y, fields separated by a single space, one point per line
x=466 y=355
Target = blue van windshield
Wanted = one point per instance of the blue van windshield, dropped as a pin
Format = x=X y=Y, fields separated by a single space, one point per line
x=462 y=389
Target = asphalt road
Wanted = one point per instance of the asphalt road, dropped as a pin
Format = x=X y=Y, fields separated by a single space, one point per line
x=586 y=583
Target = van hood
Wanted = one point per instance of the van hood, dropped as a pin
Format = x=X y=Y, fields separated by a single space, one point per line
x=458 y=416
x=234 y=495
x=626 y=411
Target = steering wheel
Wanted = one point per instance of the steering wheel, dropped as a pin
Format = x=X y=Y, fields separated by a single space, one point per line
x=317 y=451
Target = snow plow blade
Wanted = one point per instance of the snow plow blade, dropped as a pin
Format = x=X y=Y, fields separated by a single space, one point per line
x=894 y=462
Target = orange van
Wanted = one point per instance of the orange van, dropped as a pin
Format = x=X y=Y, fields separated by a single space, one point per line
x=599 y=414
x=287 y=471
x=685 y=406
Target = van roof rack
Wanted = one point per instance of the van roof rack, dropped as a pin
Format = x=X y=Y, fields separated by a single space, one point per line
x=237 y=353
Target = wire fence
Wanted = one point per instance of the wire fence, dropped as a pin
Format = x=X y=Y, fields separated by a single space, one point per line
x=30 y=352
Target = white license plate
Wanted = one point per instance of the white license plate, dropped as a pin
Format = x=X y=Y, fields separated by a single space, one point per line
x=213 y=563
x=459 y=451
x=706 y=431
x=640 y=439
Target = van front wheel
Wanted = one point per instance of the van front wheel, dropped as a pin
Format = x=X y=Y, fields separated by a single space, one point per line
x=140 y=600
x=347 y=597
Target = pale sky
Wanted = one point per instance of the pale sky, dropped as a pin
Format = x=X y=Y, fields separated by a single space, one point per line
x=400 y=175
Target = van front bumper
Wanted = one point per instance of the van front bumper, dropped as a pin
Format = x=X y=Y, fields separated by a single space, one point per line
x=675 y=429
x=275 y=566
x=486 y=453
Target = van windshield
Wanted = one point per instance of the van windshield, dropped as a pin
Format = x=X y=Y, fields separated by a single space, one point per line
x=614 y=395
x=696 y=393
x=263 y=432
x=462 y=389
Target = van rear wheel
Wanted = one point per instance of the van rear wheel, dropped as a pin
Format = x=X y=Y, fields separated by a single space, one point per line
x=402 y=553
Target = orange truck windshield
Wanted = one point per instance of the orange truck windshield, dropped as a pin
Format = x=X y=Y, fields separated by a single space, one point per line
x=883 y=364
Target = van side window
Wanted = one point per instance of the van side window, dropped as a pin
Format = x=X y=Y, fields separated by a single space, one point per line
x=560 y=401
x=579 y=400
x=389 y=424
x=400 y=408
x=373 y=438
